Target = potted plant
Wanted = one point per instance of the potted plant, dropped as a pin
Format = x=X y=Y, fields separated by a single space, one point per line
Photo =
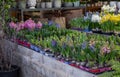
x=108 y=27
x=76 y=3
x=7 y=69
x=80 y=24
x=22 y=4
x=68 y=3
x=48 y=4
x=31 y=4
x=57 y=3
x=94 y=25
x=83 y=3
x=42 y=3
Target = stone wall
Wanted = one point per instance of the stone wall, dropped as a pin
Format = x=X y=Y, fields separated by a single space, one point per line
x=34 y=64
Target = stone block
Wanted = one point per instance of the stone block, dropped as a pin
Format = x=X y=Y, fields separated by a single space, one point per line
x=37 y=57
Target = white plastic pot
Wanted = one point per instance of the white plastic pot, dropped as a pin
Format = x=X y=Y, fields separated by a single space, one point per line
x=68 y=4
x=42 y=4
x=31 y=4
x=48 y=4
x=22 y=4
x=76 y=4
x=57 y=3
x=38 y=5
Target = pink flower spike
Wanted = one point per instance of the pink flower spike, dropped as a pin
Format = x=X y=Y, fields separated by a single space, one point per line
x=30 y=24
x=39 y=25
x=12 y=25
x=20 y=26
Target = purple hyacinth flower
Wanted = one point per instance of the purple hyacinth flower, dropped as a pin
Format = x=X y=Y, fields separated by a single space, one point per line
x=92 y=48
x=58 y=25
x=84 y=44
x=54 y=43
x=50 y=22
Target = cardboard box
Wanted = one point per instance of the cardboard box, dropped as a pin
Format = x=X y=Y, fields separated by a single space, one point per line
x=60 y=20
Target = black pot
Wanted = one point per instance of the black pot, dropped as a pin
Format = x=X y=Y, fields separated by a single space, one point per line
x=14 y=72
x=97 y=31
x=108 y=33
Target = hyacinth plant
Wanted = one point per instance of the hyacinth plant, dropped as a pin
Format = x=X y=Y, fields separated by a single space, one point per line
x=81 y=23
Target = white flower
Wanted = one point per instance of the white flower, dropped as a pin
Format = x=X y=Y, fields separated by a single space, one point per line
x=95 y=18
x=113 y=8
x=105 y=8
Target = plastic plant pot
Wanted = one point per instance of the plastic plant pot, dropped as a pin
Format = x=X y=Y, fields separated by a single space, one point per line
x=95 y=71
x=73 y=63
x=108 y=68
x=14 y=72
x=62 y=60
x=87 y=69
x=37 y=49
x=67 y=61
x=81 y=67
x=102 y=69
x=42 y=52
x=32 y=47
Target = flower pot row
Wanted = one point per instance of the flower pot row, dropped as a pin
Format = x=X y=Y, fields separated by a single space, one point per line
x=79 y=65
x=47 y=4
x=57 y=4
x=74 y=48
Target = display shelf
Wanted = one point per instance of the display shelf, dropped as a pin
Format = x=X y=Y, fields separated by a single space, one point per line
x=45 y=9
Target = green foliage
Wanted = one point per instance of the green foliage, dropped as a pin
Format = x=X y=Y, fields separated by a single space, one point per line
x=108 y=26
x=5 y=6
x=80 y=23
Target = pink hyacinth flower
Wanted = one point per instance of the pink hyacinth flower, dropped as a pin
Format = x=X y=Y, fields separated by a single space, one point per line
x=106 y=50
x=21 y=26
x=30 y=24
x=12 y=25
x=39 y=25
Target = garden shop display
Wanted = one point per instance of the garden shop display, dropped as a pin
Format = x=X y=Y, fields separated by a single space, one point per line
x=88 y=52
x=106 y=22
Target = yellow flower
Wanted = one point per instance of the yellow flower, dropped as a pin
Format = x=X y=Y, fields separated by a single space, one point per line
x=113 y=18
